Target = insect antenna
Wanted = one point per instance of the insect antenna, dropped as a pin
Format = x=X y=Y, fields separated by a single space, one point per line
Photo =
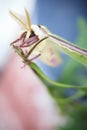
x=28 y=19
x=18 y=19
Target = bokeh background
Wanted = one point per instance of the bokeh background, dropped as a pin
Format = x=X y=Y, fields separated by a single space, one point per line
x=68 y=19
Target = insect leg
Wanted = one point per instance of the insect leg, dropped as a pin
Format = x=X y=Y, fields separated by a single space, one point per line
x=25 y=57
x=30 y=41
x=37 y=43
x=28 y=61
x=22 y=37
x=19 y=51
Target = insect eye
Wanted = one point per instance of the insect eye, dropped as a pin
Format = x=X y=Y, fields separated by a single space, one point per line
x=32 y=34
x=39 y=26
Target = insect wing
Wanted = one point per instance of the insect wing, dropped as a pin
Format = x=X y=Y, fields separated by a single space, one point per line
x=50 y=54
x=66 y=47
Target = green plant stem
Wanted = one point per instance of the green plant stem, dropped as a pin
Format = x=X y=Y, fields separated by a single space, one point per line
x=77 y=95
x=41 y=74
x=64 y=100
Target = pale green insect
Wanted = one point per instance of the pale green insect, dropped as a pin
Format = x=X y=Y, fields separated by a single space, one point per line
x=48 y=45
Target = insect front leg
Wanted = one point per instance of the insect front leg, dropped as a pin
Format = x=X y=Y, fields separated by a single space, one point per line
x=36 y=44
x=30 y=41
x=22 y=37
x=31 y=50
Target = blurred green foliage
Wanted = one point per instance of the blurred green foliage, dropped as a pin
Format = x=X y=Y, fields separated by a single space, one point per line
x=78 y=118
x=75 y=73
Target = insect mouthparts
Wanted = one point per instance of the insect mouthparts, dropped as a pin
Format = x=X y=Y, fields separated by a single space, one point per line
x=32 y=34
